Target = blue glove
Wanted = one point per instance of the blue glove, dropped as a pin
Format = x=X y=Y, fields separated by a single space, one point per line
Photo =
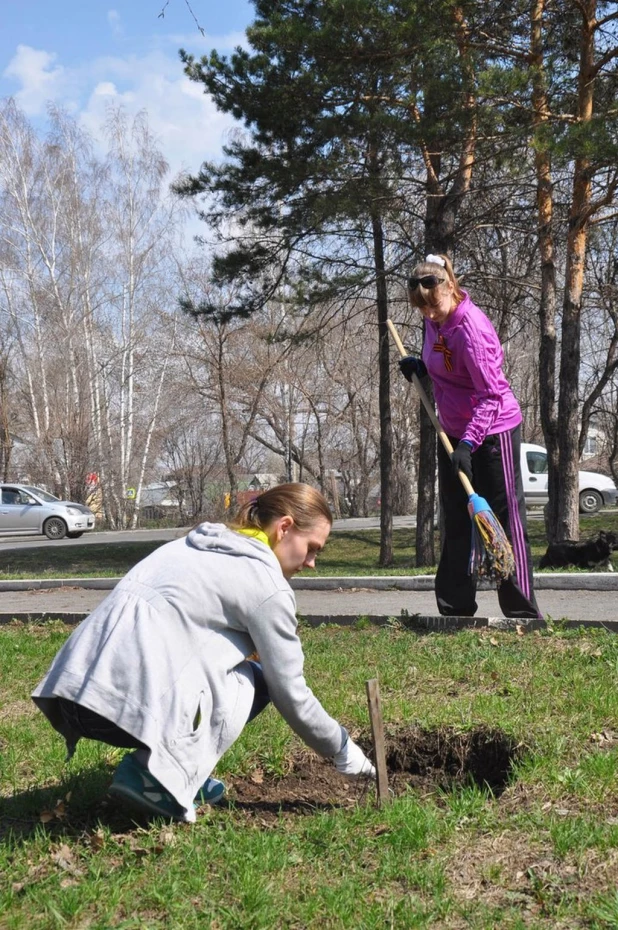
x=462 y=458
x=410 y=365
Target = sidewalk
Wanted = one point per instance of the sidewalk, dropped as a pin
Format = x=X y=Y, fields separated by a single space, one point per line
x=582 y=599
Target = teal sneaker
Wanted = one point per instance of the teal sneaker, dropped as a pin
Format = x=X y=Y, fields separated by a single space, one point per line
x=134 y=784
x=211 y=792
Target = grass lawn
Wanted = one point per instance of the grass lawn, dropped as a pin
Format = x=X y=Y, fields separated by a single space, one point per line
x=354 y=552
x=541 y=852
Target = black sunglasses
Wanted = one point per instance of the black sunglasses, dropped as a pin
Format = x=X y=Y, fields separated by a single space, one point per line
x=428 y=281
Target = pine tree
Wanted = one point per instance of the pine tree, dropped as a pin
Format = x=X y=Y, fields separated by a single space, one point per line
x=333 y=100
x=324 y=97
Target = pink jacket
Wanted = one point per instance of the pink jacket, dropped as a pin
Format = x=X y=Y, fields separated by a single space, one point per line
x=464 y=360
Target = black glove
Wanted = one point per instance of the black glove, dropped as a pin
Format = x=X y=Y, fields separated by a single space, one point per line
x=410 y=365
x=462 y=459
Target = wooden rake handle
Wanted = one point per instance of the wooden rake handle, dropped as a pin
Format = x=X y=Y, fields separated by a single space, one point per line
x=446 y=442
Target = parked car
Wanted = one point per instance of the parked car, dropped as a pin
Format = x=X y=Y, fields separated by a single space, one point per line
x=595 y=490
x=29 y=511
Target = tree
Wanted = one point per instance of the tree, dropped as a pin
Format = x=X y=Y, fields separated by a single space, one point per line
x=443 y=104
x=309 y=193
x=7 y=412
x=85 y=266
x=45 y=191
x=595 y=181
x=560 y=82
x=600 y=341
x=140 y=222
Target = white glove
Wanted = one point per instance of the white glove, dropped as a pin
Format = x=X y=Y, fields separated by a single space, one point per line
x=352 y=761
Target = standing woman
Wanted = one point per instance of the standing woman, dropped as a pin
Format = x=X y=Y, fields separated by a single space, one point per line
x=481 y=416
x=162 y=665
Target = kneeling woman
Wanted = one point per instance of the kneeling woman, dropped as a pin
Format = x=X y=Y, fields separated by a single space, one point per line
x=162 y=665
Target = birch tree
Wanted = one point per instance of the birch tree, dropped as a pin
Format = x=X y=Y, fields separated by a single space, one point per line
x=129 y=361
x=86 y=262
x=48 y=190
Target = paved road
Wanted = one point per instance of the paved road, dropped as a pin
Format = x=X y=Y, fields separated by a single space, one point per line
x=575 y=605
x=578 y=605
x=99 y=537
x=96 y=537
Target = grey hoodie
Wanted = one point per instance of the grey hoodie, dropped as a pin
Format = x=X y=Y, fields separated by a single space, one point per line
x=164 y=656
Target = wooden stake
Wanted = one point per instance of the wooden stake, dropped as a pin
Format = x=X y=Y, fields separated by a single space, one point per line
x=377 y=728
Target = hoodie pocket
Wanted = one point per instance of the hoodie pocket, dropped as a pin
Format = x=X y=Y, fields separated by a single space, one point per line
x=196 y=717
x=187 y=746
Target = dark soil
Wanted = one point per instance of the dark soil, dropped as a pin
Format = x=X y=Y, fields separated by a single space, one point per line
x=417 y=759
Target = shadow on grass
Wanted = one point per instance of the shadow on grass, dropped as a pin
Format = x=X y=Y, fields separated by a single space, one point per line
x=76 y=805
x=98 y=559
x=367 y=538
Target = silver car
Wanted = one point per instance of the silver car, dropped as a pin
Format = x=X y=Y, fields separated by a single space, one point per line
x=29 y=511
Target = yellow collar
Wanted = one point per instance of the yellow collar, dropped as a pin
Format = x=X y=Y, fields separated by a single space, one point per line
x=255 y=534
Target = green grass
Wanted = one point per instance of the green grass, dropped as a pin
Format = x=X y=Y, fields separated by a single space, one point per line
x=543 y=854
x=354 y=552
x=89 y=560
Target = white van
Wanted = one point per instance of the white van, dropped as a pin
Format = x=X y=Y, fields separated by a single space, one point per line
x=595 y=490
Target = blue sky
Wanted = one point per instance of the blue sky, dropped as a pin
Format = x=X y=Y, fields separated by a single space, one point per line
x=86 y=54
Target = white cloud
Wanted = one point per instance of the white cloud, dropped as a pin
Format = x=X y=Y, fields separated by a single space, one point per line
x=39 y=80
x=105 y=89
x=115 y=22
x=186 y=123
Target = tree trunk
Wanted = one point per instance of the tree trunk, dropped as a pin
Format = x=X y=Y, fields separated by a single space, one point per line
x=441 y=210
x=547 y=309
x=386 y=434
x=568 y=402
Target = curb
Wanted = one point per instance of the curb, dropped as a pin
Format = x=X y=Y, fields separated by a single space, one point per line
x=36 y=584
x=560 y=581
x=417 y=623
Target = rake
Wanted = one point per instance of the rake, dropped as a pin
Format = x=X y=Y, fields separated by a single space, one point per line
x=491 y=555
